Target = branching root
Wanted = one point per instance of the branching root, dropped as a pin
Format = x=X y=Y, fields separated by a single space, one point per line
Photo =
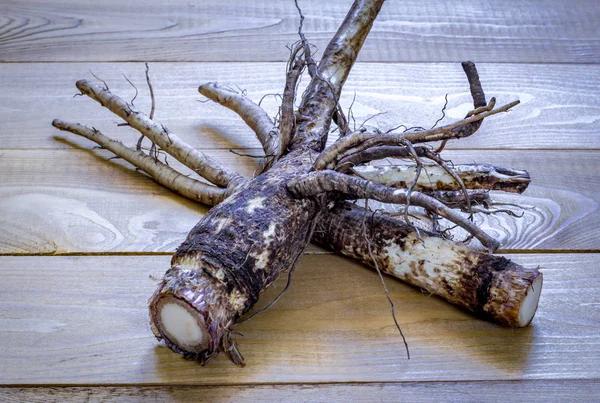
x=259 y=228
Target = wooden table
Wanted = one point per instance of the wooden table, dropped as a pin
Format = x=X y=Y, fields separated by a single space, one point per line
x=82 y=238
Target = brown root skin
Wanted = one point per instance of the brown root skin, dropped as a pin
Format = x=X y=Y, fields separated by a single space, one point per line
x=345 y=146
x=321 y=97
x=328 y=234
x=491 y=287
x=254 y=116
x=244 y=243
x=320 y=182
x=455 y=199
x=236 y=251
x=474 y=176
x=162 y=173
x=205 y=166
x=287 y=124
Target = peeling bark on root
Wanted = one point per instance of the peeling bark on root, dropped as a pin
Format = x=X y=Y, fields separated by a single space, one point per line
x=235 y=252
x=321 y=182
x=492 y=287
x=474 y=176
x=328 y=226
x=241 y=246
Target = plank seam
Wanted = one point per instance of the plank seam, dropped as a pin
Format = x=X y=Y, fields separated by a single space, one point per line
x=260 y=384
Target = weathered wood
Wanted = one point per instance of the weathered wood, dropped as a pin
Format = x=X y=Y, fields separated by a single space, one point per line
x=559 y=108
x=84 y=320
x=60 y=201
x=66 y=30
x=533 y=391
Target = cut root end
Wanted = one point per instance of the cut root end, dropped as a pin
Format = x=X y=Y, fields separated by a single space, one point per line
x=530 y=302
x=181 y=325
x=191 y=312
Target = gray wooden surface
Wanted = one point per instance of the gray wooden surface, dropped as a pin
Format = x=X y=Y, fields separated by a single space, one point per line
x=231 y=30
x=73 y=327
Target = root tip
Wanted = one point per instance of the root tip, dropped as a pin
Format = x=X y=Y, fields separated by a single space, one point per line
x=206 y=88
x=82 y=85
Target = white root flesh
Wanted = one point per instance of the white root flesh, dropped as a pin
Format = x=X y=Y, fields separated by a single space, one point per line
x=185 y=328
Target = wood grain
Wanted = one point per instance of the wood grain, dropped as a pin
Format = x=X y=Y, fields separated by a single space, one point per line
x=63 y=201
x=229 y=30
x=560 y=104
x=82 y=320
x=541 y=391
x=74 y=328
x=75 y=200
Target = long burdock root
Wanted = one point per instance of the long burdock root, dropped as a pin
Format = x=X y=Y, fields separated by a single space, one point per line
x=244 y=243
x=205 y=166
x=492 y=287
x=165 y=175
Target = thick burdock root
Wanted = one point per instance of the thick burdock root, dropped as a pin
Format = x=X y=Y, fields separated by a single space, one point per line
x=490 y=286
x=234 y=253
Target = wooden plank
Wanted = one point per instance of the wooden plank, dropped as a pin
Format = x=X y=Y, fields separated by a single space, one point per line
x=83 y=320
x=62 y=201
x=542 y=391
x=75 y=201
x=67 y=30
x=560 y=103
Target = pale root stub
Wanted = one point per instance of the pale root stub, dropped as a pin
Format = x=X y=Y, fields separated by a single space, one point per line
x=435 y=177
x=530 y=303
x=181 y=326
